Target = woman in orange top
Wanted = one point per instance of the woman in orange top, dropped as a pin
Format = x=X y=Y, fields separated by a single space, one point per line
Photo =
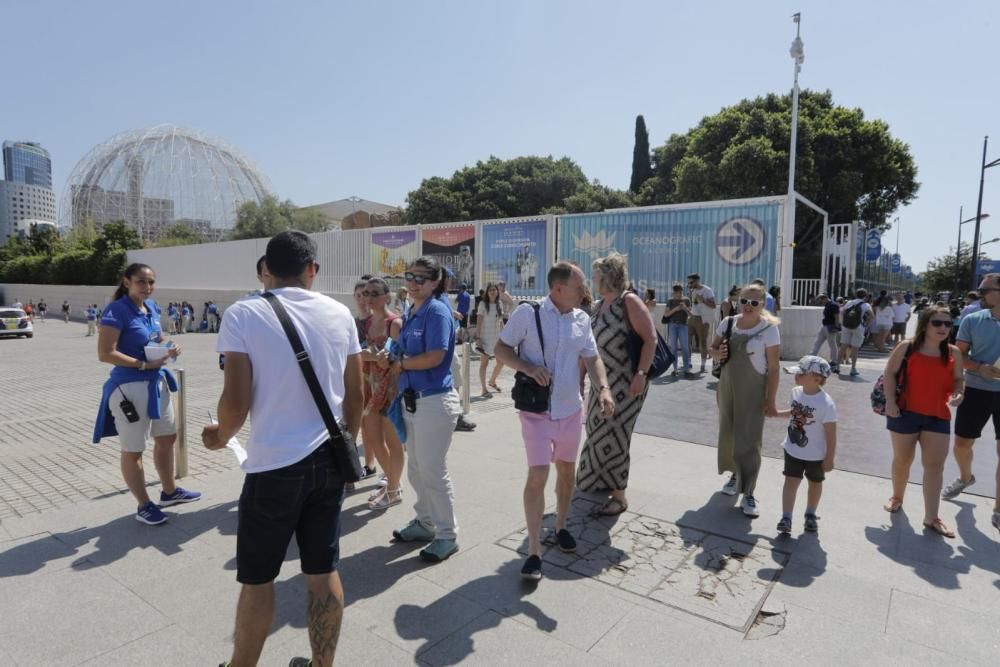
x=933 y=385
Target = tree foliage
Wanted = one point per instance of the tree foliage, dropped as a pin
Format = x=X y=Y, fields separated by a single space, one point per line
x=518 y=187
x=180 y=234
x=847 y=164
x=944 y=274
x=44 y=259
x=270 y=216
x=642 y=170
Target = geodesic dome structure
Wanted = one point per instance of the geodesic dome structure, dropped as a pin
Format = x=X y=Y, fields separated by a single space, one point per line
x=156 y=177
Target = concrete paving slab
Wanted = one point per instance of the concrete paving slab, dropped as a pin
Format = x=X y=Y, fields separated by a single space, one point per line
x=955 y=631
x=490 y=639
x=557 y=606
x=73 y=615
x=416 y=614
x=166 y=647
x=38 y=555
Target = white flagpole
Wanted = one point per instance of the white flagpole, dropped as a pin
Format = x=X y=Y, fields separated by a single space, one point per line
x=798 y=55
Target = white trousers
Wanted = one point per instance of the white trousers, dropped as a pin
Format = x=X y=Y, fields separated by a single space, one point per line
x=428 y=438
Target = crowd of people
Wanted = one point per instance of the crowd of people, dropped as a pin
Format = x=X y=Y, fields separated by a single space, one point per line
x=386 y=372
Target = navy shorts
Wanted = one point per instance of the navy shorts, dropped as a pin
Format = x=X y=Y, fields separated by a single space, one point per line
x=303 y=499
x=912 y=422
x=796 y=467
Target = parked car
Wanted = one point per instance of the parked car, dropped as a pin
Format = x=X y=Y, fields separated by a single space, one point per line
x=15 y=322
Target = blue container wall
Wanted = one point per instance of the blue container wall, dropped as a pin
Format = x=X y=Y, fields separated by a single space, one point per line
x=727 y=245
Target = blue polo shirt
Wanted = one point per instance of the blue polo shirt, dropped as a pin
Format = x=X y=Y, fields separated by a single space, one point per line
x=464 y=301
x=431 y=327
x=981 y=330
x=137 y=329
x=91 y=314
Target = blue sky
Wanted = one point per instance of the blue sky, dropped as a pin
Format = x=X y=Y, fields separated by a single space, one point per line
x=332 y=99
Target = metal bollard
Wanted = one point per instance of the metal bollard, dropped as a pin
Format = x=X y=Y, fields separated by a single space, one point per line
x=180 y=445
x=466 y=379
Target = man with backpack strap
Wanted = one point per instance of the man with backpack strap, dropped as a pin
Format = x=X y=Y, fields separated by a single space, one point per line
x=853 y=316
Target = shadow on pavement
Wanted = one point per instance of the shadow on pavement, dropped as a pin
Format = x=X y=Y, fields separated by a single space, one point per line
x=934 y=560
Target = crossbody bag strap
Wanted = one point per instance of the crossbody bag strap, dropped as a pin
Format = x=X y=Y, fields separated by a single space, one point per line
x=538 y=327
x=302 y=357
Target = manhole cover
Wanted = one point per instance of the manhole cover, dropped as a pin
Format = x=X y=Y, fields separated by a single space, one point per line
x=718 y=578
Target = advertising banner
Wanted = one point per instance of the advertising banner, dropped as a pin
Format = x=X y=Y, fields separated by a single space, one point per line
x=897 y=263
x=392 y=252
x=726 y=246
x=873 y=245
x=455 y=248
x=516 y=254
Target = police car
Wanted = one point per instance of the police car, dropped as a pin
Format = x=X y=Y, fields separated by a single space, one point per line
x=15 y=322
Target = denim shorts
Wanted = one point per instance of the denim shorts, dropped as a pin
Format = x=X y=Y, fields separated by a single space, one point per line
x=303 y=499
x=912 y=422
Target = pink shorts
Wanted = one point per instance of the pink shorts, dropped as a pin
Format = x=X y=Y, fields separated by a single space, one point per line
x=547 y=440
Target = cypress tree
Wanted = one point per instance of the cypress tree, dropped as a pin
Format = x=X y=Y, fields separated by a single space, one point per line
x=642 y=170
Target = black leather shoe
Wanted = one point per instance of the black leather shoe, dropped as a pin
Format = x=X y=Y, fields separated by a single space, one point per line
x=464 y=424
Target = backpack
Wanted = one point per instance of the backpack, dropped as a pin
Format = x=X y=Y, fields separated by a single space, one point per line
x=852 y=316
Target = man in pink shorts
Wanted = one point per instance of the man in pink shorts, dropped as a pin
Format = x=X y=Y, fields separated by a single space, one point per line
x=552 y=338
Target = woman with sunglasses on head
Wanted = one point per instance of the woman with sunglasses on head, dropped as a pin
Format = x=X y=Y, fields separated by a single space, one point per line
x=748 y=345
x=380 y=389
x=930 y=370
x=431 y=408
x=361 y=324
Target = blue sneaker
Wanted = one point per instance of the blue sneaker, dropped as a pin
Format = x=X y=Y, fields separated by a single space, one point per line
x=439 y=550
x=178 y=496
x=150 y=514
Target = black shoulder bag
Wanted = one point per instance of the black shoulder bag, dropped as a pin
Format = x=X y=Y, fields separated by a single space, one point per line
x=528 y=395
x=663 y=358
x=345 y=450
x=717 y=368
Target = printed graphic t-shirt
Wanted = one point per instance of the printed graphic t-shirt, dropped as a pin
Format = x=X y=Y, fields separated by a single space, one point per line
x=806 y=439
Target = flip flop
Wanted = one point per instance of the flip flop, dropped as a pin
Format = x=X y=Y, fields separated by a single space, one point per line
x=939 y=527
x=893 y=505
x=606 y=509
x=493 y=385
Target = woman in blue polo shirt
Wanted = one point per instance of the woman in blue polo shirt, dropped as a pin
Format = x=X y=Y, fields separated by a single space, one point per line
x=431 y=409
x=136 y=402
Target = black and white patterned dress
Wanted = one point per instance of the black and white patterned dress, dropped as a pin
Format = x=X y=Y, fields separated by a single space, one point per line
x=604 y=460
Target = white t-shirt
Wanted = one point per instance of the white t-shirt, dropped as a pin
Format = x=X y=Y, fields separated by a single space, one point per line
x=286 y=425
x=700 y=308
x=806 y=439
x=762 y=336
x=900 y=311
x=865 y=309
x=971 y=308
x=884 y=317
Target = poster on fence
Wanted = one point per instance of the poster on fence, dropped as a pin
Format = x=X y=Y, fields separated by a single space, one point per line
x=515 y=253
x=455 y=248
x=726 y=245
x=392 y=252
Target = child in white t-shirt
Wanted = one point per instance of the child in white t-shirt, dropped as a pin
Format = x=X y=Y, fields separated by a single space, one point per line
x=811 y=439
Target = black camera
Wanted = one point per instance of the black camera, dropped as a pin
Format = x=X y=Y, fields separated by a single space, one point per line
x=128 y=409
x=410 y=400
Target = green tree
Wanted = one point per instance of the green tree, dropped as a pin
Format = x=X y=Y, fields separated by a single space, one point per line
x=116 y=236
x=180 y=233
x=270 y=216
x=81 y=236
x=847 y=164
x=45 y=241
x=944 y=274
x=642 y=170
x=498 y=188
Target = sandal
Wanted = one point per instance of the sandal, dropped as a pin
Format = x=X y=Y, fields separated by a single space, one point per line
x=386 y=500
x=486 y=394
x=613 y=507
x=893 y=505
x=940 y=527
x=495 y=387
x=380 y=491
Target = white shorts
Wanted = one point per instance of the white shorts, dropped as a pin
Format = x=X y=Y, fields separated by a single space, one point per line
x=133 y=436
x=852 y=337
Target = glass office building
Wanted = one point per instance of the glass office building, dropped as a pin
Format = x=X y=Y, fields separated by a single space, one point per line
x=27 y=162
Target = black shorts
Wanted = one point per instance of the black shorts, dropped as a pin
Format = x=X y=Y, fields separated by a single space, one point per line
x=303 y=498
x=976 y=409
x=898 y=328
x=795 y=467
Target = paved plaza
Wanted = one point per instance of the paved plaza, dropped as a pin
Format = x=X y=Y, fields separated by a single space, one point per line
x=680 y=578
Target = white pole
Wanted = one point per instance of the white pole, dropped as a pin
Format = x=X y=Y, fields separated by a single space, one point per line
x=788 y=237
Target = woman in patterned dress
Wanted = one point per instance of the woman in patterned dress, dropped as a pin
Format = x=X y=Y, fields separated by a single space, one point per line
x=604 y=460
x=489 y=323
x=381 y=388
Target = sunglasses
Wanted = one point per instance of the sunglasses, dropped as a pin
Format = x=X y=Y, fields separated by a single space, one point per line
x=940 y=323
x=372 y=295
x=417 y=278
x=749 y=302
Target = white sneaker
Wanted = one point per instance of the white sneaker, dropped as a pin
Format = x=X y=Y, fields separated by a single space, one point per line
x=749 y=507
x=956 y=487
x=729 y=488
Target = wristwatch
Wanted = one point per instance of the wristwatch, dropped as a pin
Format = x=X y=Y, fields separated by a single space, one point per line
x=603 y=387
x=641 y=372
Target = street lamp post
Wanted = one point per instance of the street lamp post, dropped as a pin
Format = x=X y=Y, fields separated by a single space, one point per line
x=798 y=55
x=979 y=213
x=958 y=248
